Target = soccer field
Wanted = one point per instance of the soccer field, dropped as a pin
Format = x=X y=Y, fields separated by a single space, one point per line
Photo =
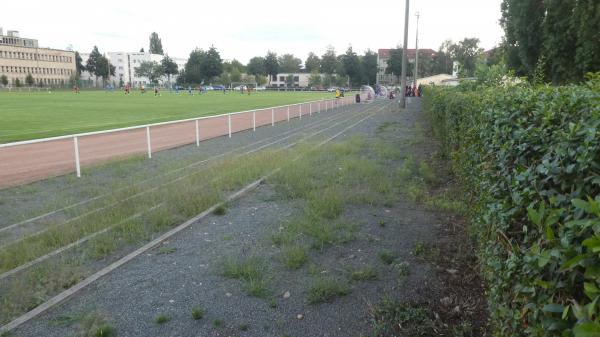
x=31 y=115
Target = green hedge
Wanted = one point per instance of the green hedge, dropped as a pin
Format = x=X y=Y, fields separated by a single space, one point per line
x=529 y=158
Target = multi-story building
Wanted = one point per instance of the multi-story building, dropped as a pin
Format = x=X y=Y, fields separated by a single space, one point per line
x=125 y=64
x=383 y=55
x=281 y=80
x=20 y=57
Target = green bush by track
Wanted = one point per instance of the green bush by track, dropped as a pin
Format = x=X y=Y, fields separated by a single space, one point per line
x=529 y=158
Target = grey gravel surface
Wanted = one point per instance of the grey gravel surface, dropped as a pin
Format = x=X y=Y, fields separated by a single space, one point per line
x=172 y=284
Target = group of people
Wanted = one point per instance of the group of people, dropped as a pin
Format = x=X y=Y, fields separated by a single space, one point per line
x=413 y=91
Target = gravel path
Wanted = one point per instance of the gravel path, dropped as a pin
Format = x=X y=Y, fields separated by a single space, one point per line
x=172 y=284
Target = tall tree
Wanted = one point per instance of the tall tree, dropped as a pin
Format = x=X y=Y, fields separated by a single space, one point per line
x=394 y=64
x=369 y=67
x=271 y=64
x=256 y=66
x=288 y=63
x=212 y=65
x=522 y=22
x=559 y=40
x=233 y=64
x=103 y=68
x=351 y=65
x=466 y=53
x=93 y=61
x=155 y=44
x=442 y=61
x=149 y=69
x=586 y=24
x=79 y=67
x=313 y=63
x=169 y=67
x=329 y=61
x=193 y=66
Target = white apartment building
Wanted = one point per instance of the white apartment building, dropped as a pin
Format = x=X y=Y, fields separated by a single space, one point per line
x=125 y=64
x=383 y=55
x=281 y=80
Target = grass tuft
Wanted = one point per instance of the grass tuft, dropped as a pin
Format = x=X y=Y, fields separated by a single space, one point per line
x=252 y=270
x=294 y=256
x=220 y=210
x=387 y=257
x=327 y=289
x=366 y=274
x=197 y=313
x=161 y=319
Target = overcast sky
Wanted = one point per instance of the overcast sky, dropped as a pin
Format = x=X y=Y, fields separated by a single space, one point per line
x=243 y=29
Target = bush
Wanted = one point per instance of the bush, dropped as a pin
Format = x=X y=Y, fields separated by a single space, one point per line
x=531 y=158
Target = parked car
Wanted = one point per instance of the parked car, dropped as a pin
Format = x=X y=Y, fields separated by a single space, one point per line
x=332 y=89
x=260 y=88
x=218 y=87
x=208 y=87
x=240 y=87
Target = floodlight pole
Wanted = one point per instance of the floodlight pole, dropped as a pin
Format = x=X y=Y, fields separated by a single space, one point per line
x=417 y=50
x=403 y=82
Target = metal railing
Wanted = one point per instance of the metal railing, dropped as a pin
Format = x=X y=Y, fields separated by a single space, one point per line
x=32 y=160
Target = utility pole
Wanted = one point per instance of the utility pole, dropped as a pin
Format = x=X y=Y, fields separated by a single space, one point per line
x=403 y=82
x=417 y=50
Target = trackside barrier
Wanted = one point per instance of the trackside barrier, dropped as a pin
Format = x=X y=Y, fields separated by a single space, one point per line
x=32 y=160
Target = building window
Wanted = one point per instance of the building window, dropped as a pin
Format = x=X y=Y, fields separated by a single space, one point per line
x=281 y=78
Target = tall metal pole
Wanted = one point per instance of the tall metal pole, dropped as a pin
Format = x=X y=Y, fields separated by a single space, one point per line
x=403 y=82
x=417 y=51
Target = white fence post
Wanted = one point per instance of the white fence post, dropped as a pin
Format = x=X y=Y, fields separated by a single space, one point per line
x=272 y=117
x=254 y=120
x=197 y=134
x=229 y=123
x=148 y=141
x=310 y=109
x=300 y=110
x=288 y=113
x=319 y=107
x=76 y=149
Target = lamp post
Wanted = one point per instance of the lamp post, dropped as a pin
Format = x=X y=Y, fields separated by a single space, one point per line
x=403 y=82
x=417 y=50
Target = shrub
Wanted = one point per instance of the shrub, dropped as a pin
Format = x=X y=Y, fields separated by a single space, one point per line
x=531 y=157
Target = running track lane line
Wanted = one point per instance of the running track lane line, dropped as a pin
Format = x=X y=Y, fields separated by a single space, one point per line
x=104 y=271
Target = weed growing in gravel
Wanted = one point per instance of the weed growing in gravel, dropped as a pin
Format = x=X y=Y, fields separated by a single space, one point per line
x=252 y=270
x=326 y=289
x=220 y=210
x=387 y=257
x=365 y=274
x=402 y=269
x=95 y=325
x=418 y=248
x=294 y=256
x=427 y=173
x=217 y=323
x=197 y=313
x=391 y=318
x=161 y=319
x=244 y=327
x=382 y=223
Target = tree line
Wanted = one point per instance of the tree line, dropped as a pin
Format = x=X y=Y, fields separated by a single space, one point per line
x=554 y=41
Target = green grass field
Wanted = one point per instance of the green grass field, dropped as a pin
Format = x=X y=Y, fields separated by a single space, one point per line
x=27 y=115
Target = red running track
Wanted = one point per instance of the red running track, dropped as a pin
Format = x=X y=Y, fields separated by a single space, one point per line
x=29 y=161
